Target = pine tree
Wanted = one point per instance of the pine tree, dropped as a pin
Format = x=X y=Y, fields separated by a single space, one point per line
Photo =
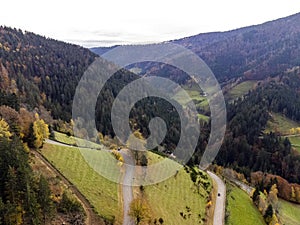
x=255 y=196
x=44 y=199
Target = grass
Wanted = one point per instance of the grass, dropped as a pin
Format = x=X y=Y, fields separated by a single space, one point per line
x=289 y=213
x=196 y=97
x=241 y=89
x=295 y=141
x=203 y=117
x=193 y=94
x=166 y=199
x=102 y=193
x=280 y=123
x=241 y=209
x=71 y=140
x=176 y=200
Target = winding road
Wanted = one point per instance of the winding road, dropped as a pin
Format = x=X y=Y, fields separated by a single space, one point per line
x=126 y=187
x=219 y=213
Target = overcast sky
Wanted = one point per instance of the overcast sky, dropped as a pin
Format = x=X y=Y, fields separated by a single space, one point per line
x=108 y=22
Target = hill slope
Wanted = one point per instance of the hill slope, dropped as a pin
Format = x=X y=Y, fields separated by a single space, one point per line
x=253 y=52
x=39 y=70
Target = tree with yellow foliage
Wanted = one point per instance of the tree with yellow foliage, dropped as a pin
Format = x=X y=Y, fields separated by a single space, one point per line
x=294 y=130
x=136 y=143
x=40 y=131
x=4 y=129
x=139 y=211
x=272 y=197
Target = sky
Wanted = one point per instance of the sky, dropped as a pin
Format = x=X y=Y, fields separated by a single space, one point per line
x=92 y=23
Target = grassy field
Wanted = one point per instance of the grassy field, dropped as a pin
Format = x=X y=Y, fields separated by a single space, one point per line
x=176 y=200
x=241 y=208
x=71 y=140
x=289 y=213
x=280 y=123
x=102 y=193
x=203 y=117
x=197 y=98
x=194 y=95
x=241 y=89
x=295 y=142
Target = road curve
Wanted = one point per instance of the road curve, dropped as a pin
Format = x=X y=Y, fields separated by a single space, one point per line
x=219 y=213
x=127 y=189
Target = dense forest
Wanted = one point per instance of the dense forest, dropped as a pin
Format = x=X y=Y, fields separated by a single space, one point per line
x=36 y=71
x=253 y=52
x=38 y=78
x=269 y=53
x=41 y=71
x=247 y=147
x=52 y=69
x=26 y=197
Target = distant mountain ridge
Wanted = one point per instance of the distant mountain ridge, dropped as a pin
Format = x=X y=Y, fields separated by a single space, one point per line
x=253 y=52
x=36 y=71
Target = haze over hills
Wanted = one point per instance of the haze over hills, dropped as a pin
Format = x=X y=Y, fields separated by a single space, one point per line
x=36 y=71
x=268 y=55
x=257 y=66
x=253 y=52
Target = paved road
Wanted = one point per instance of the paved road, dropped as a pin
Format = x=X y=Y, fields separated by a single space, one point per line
x=219 y=213
x=127 y=185
x=242 y=186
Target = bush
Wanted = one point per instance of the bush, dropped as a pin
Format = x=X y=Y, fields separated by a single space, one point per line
x=69 y=205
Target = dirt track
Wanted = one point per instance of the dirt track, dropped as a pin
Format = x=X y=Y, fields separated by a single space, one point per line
x=91 y=217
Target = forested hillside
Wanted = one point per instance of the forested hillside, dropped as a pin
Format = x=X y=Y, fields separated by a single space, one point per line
x=38 y=74
x=254 y=52
x=246 y=146
x=269 y=54
x=40 y=71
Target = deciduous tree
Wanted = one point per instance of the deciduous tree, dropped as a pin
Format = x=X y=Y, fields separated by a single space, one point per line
x=4 y=129
x=139 y=211
x=40 y=131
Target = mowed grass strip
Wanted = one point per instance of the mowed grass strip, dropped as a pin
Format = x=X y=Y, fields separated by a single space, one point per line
x=241 y=89
x=199 y=101
x=241 y=209
x=102 y=193
x=289 y=213
x=280 y=123
x=71 y=140
x=193 y=95
x=177 y=201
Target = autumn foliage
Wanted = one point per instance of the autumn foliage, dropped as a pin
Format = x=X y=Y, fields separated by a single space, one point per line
x=286 y=190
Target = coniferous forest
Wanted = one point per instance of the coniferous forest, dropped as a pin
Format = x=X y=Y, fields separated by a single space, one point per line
x=39 y=76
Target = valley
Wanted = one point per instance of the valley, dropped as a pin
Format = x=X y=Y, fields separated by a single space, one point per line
x=55 y=170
